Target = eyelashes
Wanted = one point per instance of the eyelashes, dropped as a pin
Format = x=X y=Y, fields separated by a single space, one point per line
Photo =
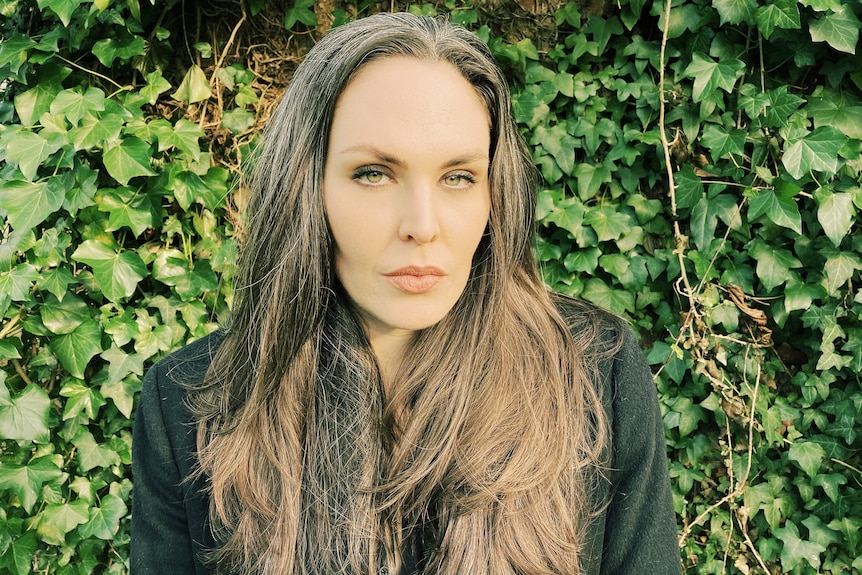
x=370 y=175
x=374 y=175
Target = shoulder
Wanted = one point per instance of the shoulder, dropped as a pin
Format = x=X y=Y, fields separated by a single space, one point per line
x=612 y=354
x=598 y=332
x=167 y=382
x=189 y=364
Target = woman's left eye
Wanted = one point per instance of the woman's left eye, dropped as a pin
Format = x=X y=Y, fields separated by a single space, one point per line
x=459 y=180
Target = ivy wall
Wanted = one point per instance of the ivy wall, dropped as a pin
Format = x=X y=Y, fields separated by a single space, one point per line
x=701 y=168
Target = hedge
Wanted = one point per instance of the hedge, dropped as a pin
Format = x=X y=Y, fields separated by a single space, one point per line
x=700 y=165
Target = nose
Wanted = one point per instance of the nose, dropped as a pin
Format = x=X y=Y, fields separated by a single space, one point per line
x=419 y=222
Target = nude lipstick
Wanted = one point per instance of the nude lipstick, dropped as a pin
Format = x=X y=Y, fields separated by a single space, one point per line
x=415 y=279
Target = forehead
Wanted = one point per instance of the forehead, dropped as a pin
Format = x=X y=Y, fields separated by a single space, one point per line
x=406 y=99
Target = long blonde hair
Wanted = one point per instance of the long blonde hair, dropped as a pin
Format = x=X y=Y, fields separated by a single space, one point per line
x=481 y=459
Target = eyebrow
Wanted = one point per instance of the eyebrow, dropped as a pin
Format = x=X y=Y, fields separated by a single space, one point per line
x=467 y=158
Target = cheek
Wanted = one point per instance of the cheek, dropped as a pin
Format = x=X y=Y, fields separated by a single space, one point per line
x=475 y=225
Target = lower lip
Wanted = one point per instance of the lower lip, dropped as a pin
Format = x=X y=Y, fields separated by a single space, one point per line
x=414 y=284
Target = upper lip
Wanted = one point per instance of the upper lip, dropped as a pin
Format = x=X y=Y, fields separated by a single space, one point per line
x=416 y=271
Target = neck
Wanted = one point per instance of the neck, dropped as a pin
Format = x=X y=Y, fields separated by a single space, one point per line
x=389 y=346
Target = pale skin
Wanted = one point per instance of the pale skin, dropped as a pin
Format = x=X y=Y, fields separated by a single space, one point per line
x=406 y=195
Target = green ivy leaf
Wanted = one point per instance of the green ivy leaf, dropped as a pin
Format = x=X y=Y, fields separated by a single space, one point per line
x=617 y=265
x=31 y=104
x=839 y=268
x=689 y=415
x=617 y=301
x=58 y=519
x=76 y=349
x=16 y=282
x=584 y=260
x=75 y=105
x=63 y=317
x=557 y=142
x=735 y=11
x=81 y=398
x=807 y=455
x=156 y=85
x=124 y=46
x=24 y=416
x=608 y=222
x=569 y=14
x=567 y=214
x=835 y=212
x=105 y=520
x=591 y=177
x=773 y=264
x=837 y=109
x=187 y=187
x=29 y=150
x=91 y=454
x=14 y=51
x=682 y=18
x=799 y=295
x=840 y=29
x=128 y=208
x=26 y=481
x=822 y=5
x=689 y=188
x=851 y=528
x=62 y=8
x=123 y=392
x=122 y=328
x=245 y=96
x=194 y=87
x=96 y=131
x=721 y=142
x=795 y=551
x=83 y=193
x=300 y=11
x=831 y=484
x=820 y=533
x=238 y=120
x=601 y=30
x=779 y=207
x=781 y=107
x=816 y=152
x=118 y=274
x=19 y=556
x=56 y=281
x=183 y=135
x=121 y=364
x=128 y=160
x=529 y=106
x=216 y=181
x=709 y=75
x=778 y=14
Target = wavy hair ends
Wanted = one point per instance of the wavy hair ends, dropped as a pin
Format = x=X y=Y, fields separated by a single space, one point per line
x=482 y=457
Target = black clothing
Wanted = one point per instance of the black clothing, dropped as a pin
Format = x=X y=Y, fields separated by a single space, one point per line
x=635 y=534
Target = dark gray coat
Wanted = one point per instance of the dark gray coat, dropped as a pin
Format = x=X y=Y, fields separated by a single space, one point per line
x=636 y=533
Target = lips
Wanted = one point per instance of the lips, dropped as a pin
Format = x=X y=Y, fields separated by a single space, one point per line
x=415 y=279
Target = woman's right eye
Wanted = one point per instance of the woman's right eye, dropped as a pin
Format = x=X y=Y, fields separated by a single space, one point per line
x=369 y=175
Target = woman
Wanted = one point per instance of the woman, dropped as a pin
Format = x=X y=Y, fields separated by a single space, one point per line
x=397 y=392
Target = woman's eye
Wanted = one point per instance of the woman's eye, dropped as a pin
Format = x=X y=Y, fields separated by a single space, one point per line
x=369 y=176
x=459 y=180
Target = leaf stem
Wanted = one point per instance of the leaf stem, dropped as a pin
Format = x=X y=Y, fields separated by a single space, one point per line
x=681 y=242
x=20 y=371
x=93 y=72
x=227 y=47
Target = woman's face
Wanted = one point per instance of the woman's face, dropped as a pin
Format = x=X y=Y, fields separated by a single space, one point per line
x=406 y=190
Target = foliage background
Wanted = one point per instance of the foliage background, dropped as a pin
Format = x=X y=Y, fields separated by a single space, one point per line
x=719 y=214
